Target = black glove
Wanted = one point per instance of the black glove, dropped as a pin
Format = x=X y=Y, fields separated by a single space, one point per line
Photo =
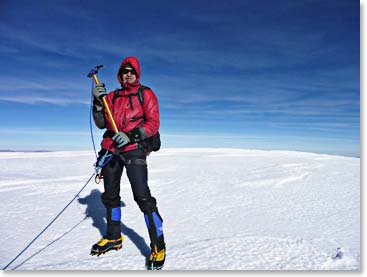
x=121 y=139
x=99 y=91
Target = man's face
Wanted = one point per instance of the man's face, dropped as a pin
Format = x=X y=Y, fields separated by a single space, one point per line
x=128 y=75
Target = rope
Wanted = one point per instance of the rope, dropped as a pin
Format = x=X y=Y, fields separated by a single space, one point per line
x=90 y=120
x=103 y=162
x=106 y=158
x=77 y=195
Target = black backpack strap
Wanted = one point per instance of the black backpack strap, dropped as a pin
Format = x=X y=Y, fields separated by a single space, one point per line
x=131 y=100
x=139 y=93
x=115 y=95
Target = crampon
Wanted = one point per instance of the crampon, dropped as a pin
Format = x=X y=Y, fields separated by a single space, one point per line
x=104 y=245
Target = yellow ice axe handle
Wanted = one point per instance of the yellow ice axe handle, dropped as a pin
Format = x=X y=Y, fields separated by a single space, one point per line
x=106 y=107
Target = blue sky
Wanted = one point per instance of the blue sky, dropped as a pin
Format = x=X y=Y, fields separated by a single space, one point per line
x=240 y=74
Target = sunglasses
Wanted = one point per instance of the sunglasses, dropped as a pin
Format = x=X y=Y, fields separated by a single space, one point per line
x=126 y=70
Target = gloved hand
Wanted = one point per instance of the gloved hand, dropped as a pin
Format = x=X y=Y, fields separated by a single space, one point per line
x=98 y=92
x=121 y=139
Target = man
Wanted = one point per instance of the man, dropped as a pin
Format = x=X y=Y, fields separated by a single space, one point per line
x=136 y=114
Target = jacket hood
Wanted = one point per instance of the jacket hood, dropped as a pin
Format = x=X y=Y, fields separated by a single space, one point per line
x=134 y=62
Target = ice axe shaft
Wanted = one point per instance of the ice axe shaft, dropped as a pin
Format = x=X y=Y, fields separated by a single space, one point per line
x=93 y=73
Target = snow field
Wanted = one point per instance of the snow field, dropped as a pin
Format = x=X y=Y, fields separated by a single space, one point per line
x=222 y=209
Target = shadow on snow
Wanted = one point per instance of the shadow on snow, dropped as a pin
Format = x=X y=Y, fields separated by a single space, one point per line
x=97 y=212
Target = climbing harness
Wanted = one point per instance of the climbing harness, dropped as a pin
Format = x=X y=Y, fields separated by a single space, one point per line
x=100 y=163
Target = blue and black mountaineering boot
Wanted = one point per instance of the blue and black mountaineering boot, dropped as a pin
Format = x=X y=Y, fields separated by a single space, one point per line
x=155 y=228
x=113 y=238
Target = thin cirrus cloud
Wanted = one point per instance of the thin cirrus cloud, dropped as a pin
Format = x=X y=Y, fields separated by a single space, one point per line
x=275 y=66
x=44 y=91
x=207 y=57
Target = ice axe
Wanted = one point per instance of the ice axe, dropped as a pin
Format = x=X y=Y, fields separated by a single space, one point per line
x=93 y=73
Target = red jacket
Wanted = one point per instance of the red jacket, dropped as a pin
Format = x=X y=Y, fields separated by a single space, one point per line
x=124 y=115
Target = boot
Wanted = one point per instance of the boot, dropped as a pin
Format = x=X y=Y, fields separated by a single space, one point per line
x=157 y=256
x=113 y=238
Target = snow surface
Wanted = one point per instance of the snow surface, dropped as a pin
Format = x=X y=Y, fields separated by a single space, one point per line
x=222 y=209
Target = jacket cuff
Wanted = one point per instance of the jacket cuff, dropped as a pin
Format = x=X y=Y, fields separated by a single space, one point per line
x=98 y=105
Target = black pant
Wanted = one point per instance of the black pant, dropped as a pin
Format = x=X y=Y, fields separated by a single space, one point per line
x=137 y=171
